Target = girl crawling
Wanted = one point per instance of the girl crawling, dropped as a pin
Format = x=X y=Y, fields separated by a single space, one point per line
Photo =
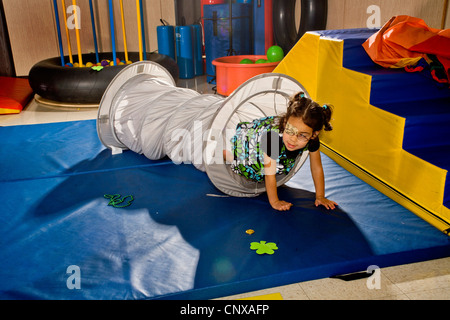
x=266 y=147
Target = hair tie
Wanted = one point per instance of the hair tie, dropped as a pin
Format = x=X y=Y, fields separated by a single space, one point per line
x=302 y=95
x=325 y=107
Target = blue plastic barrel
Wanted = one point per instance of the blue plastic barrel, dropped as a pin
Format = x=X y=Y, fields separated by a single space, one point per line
x=217 y=33
x=184 y=40
x=166 y=40
x=198 y=59
x=259 y=29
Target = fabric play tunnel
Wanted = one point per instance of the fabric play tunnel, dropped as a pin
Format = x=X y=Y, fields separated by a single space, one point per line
x=142 y=110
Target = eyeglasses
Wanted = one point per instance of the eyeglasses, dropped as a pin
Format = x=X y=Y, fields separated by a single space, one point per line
x=293 y=131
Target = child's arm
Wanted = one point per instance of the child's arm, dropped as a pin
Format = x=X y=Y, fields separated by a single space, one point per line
x=319 y=181
x=271 y=185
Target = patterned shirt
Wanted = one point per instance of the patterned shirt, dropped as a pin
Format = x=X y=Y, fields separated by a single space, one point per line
x=253 y=139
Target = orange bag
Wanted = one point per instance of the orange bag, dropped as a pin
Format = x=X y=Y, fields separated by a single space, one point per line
x=403 y=41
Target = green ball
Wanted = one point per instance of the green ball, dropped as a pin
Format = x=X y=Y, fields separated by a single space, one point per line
x=275 y=54
x=261 y=61
x=246 y=61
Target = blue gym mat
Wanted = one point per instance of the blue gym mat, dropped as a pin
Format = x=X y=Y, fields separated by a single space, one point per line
x=180 y=238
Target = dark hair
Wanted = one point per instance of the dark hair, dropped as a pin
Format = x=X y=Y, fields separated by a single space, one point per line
x=313 y=115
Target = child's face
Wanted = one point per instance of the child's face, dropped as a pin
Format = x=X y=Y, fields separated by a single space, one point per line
x=296 y=134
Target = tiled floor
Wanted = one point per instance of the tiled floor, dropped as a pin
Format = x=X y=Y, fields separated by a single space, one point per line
x=429 y=280
x=418 y=281
x=38 y=113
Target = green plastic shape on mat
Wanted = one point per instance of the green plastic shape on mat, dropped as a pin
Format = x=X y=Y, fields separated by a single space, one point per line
x=264 y=248
x=117 y=201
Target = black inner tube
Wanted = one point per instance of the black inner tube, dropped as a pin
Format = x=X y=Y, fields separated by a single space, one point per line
x=313 y=17
x=51 y=81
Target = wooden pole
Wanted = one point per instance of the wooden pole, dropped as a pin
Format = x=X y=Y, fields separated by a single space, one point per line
x=444 y=14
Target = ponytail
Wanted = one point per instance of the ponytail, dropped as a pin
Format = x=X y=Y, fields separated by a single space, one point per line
x=327 y=112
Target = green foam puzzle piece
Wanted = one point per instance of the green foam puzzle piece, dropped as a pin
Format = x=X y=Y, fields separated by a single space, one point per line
x=117 y=201
x=264 y=248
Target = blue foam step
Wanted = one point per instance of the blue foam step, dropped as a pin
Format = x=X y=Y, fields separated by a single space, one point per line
x=424 y=103
x=355 y=57
x=397 y=85
x=427 y=131
x=354 y=54
x=388 y=85
x=437 y=155
x=426 y=121
x=440 y=157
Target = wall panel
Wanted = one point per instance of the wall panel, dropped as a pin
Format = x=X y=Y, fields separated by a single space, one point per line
x=353 y=13
x=31 y=31
x=33 y=36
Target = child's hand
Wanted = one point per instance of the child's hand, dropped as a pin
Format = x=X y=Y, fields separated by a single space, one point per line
x=281 y=205
x=325 y=202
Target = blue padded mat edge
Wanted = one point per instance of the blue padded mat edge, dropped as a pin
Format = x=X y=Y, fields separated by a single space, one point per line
x=181 y=238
